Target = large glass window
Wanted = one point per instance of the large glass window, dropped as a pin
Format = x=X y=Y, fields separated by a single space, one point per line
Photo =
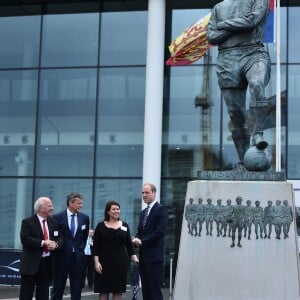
x=121 y=122
x=127 y=192
x=191 y=122
x=15 y=204
x=123 y=38
x=17 y=122
x=67 y=122
x=20 y=39
x=294 y=42
x=58 y=189
x=70 y=40
x=293 y=123
x=283 y=39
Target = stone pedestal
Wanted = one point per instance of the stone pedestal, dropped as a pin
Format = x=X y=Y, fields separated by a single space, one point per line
x=262 y=268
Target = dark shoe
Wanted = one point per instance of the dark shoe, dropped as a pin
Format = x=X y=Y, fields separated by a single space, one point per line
x=259 y=142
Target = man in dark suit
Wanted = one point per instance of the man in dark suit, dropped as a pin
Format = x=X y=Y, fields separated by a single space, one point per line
x=70 y=259
x=40 y=237
x=150 y=238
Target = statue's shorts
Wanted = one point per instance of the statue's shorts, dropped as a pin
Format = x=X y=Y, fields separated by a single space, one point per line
x=233 y=65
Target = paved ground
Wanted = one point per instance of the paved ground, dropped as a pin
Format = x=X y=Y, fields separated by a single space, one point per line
x=12 y=293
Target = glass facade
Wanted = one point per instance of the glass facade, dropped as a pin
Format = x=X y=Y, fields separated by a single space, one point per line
x=72 y=100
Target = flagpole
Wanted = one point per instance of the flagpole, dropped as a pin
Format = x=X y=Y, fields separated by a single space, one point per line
x=278 y=88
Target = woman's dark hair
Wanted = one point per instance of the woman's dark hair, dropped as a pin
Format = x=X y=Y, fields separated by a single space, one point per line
x=108 y=205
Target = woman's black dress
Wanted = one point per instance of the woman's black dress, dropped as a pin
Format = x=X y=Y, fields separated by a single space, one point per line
x=113 y=247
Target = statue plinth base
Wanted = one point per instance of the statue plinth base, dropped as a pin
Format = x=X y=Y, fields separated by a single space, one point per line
x=241 y=175
x=263 y=268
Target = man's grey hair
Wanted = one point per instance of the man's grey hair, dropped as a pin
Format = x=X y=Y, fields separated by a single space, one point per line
x=38 y=204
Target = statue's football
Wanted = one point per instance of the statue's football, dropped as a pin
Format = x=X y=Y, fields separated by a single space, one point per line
x=257 y=160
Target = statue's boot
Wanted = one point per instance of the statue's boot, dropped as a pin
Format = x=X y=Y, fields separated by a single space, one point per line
x=258 y=115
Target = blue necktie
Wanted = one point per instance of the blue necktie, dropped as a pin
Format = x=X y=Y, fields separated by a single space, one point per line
x=72 y=225
x=146 y=214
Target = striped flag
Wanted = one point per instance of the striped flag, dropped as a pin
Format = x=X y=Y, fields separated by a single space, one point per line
x=270 y=24
x=190 y=45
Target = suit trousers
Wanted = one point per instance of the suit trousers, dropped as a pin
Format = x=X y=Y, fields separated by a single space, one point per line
x=151 y=277
x=75 y=273
x=40 y=281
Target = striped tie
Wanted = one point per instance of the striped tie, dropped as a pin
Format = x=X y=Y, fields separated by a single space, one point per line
x=146 y=214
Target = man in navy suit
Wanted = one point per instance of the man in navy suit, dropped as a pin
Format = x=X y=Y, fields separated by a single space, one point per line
x=150 y=238
x=70 y=259
x=40 y=237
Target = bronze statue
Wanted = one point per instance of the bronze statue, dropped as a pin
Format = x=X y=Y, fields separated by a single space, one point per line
x=237 y=27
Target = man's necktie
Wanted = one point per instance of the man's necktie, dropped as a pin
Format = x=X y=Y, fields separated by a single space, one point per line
x=72 y=225
x=45 y=234
x=146 y=214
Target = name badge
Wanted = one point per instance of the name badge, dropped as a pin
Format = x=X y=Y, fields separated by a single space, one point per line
x=83 y=227
x=123 y=228
x=55 y=233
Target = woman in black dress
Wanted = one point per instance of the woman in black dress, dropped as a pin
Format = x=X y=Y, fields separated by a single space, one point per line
x=112 y=249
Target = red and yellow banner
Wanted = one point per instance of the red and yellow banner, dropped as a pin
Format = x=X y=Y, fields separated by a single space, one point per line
x=191 y=45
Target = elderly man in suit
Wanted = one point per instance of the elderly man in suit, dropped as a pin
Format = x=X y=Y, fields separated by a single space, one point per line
x=70 y=259
x=40 y=237
x=150 y=238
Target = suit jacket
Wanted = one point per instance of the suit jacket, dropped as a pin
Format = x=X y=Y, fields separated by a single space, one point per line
x=152 y=235
x=31 y=235
x=77 y=242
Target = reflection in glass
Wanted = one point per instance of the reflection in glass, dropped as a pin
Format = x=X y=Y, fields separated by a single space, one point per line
x=283 y=39
x=127 y=192
x=17 y=86
x=294 y=42
x=123 y=38
x=67 y=122
x=17 y=122
x=16 y=204
x=191 y=126
x=70 y=40
x=20 y=39
x=121 y=122
x=293 y=123
x=58 y=189
x=68 y=85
